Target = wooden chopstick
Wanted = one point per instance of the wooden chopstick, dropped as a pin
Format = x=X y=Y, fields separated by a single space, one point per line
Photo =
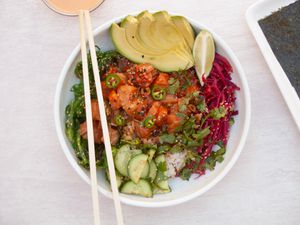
x=104 y=125
x=88 y=110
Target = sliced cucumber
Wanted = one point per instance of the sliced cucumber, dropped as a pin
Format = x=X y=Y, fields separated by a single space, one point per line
x=119 y=178
x=153 y=171
x=151 y=153
x=163 y=184
x=146 y=171
x=122 y=158
x=135 y=152
x=161 y=179
x=142 y=188
x=160 y=159
x=157 y=190
x=136 y=167
x=125 y=148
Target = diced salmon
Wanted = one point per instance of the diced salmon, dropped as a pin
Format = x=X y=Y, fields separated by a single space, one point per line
x=154 y=109
x=95 y=110
x=170 y=99
x=127 y=93
x=105 y=90
x=173 y=122
x=162 y=80
x=112 y=69
x=141 y=131
x=96 y=128
x=143 y=75
x=135 y=107
x=114 y=100
x=113 y=135
x=192 y=89
x=123 y=78
x=98 y=136
x=161 y=116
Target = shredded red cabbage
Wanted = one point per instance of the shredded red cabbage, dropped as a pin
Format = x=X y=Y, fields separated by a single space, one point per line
x=218 y=91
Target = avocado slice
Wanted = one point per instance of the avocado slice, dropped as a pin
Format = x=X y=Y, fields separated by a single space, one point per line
x=130 y=24
x=145 y=21
x=171 y=61
x=185 y=28
x=151 y=36
x=166 y=34
x=141 y=14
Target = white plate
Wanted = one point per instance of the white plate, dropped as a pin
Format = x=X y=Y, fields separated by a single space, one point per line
x=258 y=11
x=181 y=190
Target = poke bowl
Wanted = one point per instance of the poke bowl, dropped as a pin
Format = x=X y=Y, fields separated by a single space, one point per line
x=206 y=154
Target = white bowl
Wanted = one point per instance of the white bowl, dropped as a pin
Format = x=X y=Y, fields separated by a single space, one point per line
x=181 y=190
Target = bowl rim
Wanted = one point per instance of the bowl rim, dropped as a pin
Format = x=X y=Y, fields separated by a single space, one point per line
x=219 y=177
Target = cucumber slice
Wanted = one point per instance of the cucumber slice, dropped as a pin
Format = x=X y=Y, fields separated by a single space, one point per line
x=160 y=159
x=136 y=167
x=151 y=153
x=163 y=184
x=153 y=171
x=157 y=190
x=119 y=178
x=135 y=152
x=161 y=179
x=146 y=171
x=142 y=188
x=122 y=158
x=124 y=148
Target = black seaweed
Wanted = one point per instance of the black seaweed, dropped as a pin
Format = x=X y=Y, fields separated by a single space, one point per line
x=282 y=30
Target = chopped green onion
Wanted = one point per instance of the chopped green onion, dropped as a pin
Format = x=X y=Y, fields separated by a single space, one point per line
x=176 y=148
x=163 y=149
x=167 y=138
x=182 y=108
x=174 y=87
x=201 y=106
x=202 y=134
x=218 y=113
x=193 y=144
x=186 y=173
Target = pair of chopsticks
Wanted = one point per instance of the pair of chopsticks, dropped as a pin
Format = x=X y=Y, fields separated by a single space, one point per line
x=85 y=21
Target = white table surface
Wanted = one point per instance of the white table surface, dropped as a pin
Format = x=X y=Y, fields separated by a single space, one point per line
x=39 y=187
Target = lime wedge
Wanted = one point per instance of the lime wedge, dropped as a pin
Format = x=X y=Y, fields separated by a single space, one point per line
x=204 y=54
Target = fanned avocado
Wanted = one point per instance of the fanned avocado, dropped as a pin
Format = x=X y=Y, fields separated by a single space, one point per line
x=171 y=61
x=155 y=39
x=185 y=28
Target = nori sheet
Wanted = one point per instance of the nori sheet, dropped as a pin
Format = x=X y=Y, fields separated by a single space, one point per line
x=282 y=30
